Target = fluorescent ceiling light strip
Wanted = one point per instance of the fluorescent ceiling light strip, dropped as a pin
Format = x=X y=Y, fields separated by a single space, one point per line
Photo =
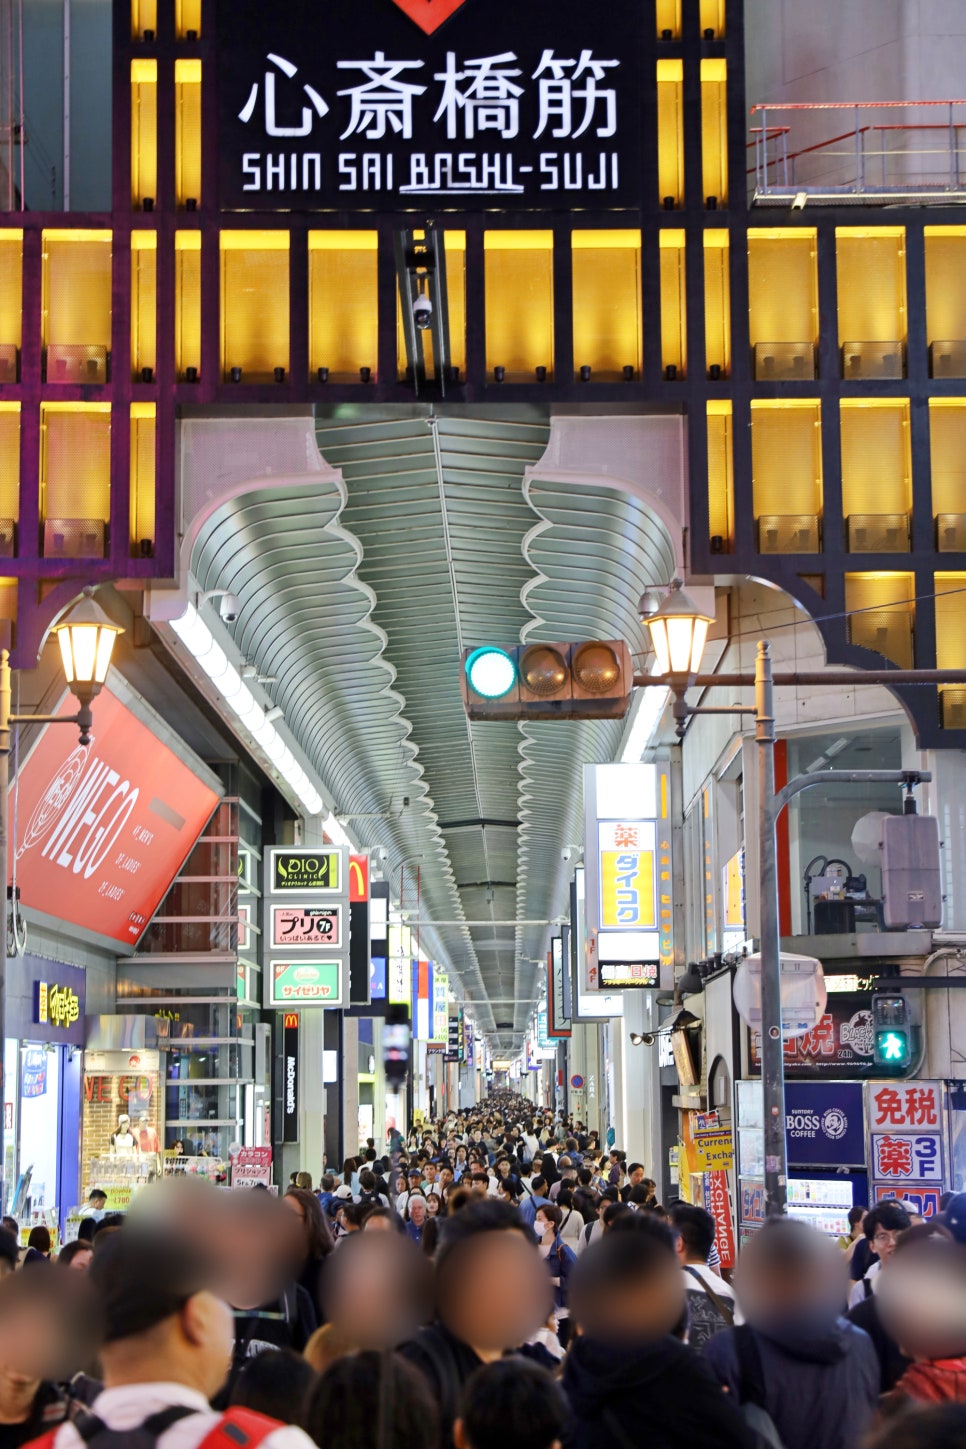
x=203 y=647
x=653 y=701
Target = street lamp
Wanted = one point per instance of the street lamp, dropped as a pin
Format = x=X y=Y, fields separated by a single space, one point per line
x=86 y=638
x=678 y=632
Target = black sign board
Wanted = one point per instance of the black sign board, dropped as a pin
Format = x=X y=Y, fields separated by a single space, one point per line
x=305 y=870
x=842 y=1045
x=350 y=105
x=558 y=1022
x=359 y=964
x=290 y=1077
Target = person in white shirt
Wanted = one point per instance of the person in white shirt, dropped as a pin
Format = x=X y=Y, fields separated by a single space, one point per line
x=712 y=1305
x=167 y=1342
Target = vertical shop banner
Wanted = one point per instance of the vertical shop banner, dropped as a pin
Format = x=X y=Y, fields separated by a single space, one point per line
x=378 y=939
x=627 y=855
x=717 y=1201
x=103 y=831
x=290 y=1076
x=907 y=1139
x=307 y=906
x=422 y=1000
x=440 y=1025
x=560 y=1023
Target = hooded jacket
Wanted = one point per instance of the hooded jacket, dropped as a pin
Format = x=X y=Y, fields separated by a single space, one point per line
x=821 y=1380
x=616 y=1389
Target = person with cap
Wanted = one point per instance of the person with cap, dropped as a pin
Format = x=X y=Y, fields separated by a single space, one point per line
x=414 y=1189
x=166 y=1343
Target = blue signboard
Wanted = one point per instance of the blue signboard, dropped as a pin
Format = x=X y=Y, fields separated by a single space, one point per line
x=377 y=978
x=34 y=1083
x=824 y=1124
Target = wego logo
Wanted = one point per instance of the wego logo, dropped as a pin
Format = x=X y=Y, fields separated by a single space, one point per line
x=80 y=814
x=429 y=15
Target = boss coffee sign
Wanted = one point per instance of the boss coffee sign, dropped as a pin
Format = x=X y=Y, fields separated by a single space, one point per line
x=409 y=104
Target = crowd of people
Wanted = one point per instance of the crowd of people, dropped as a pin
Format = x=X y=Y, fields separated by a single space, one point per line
x=498 y=1280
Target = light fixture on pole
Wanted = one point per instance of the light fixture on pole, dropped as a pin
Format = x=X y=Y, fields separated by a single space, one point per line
x=679 y=632
x=86 y=638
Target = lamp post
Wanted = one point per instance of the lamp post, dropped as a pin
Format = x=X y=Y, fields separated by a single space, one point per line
x=679 y=630
x=86 y=640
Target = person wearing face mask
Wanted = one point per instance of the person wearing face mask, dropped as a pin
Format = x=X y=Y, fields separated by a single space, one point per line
x=559 y=1258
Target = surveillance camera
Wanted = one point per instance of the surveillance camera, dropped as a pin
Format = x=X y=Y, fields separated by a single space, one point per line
x=228 y=608
x=566 y=853
x=422 y=312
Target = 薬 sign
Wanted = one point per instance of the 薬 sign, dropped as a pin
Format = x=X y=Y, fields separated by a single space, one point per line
x=404 y=104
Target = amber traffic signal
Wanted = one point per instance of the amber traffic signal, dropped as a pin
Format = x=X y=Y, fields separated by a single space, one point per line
x=590 y=680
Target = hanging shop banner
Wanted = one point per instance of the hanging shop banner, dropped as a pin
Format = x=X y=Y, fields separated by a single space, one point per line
x=627 y=854
x=717 y=1201
x=440 y=1024
x=103 y=830
x=301 y=927
x=712 y=1147
x=906 y=1135
x=305 y=983
x=409 y=104
x=290 y=1077
x=251 y=1166
x=841 y=1045
x=358 y=879
x=307 y=907
x=558 y=965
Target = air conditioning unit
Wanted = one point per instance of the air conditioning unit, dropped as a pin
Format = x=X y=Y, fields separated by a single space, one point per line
x=873 y=359
x=884 y=631
x=952 y=706
x=74 y=538
x=74 y=364
x=8 y=537
x=951 y=532
x=947 y=359
x=878 y=532
x=789 y=533
x=8 y=362
x=785 y=361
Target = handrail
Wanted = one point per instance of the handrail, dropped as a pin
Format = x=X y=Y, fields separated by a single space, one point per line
x=846 y=105
x=793 y=155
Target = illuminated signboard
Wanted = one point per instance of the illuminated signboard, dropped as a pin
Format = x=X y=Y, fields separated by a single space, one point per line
x=353 y=105
x=303 y=927
x=56 y=1005
x=624 y=975
x=305 y=983
x=103 y=831
x=319 y=870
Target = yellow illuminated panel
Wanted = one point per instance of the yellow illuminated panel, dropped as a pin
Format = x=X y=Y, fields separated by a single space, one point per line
x=711 y=16
x=871 y=266
x=8 y=605
x=10 y=460
x=876 y=467
x=144 y=131
x=607 y=315
x=717 y=301
x=187 y=301
x=782 y=285
x=786 y=457
x=518 y=273
x=254 y=303
x=187 y=18
x=144 y=16
x=668 y=19
x=454 y=243
x=670 y=132
x=11 y=286
x=950 y=621
x=674 y=344
x=714 y=129
x=142 y=512
x=343 y=302
x=881 y=609
x=187 y=130
x=947 y=442
x=946 y=283
x=75 y=461
x=77 y=288
x=721 y=485
x=144 y=300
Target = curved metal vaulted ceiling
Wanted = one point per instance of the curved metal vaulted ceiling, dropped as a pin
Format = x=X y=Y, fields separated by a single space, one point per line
x=432 y=532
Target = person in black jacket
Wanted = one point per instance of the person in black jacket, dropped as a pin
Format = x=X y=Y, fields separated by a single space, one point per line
x=629 y=1381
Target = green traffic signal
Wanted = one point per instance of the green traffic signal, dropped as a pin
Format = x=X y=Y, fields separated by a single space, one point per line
x=892 y=1046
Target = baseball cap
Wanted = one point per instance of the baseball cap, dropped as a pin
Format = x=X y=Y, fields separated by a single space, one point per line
x=143 y=1275
x=956 y=1217
x=343 y=1190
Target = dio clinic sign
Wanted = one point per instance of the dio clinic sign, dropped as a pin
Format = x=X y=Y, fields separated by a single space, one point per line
x=378 y=104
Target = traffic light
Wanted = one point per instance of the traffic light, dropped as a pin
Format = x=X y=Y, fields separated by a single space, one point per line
x=590 y=680
x=892 y=1033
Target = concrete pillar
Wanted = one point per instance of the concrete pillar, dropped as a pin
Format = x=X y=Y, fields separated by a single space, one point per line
x=349 y=1084
x=311 y=1094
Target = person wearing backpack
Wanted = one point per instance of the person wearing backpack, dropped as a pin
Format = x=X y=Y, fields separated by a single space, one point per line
x=802 y=1373
x=166 y=1342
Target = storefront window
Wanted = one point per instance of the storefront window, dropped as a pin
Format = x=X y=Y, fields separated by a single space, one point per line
x=10 y=1122
x=39 y=1127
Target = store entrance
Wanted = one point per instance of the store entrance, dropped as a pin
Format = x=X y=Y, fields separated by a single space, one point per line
x=45 y=1112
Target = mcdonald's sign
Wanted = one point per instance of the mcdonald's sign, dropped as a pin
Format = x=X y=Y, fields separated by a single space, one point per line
x=358 y=879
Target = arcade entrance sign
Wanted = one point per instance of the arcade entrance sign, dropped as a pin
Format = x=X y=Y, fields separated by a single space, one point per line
x=403 y=104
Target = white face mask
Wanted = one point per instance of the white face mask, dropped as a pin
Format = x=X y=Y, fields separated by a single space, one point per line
x=542 y=1228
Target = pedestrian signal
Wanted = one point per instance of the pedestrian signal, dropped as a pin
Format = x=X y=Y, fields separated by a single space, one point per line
x=892 y=1033
x=590 y=680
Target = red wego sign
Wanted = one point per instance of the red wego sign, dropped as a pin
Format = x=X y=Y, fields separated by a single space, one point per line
x=105 y=830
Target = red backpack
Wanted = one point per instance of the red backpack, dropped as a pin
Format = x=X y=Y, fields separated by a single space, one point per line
x=236 y=1429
